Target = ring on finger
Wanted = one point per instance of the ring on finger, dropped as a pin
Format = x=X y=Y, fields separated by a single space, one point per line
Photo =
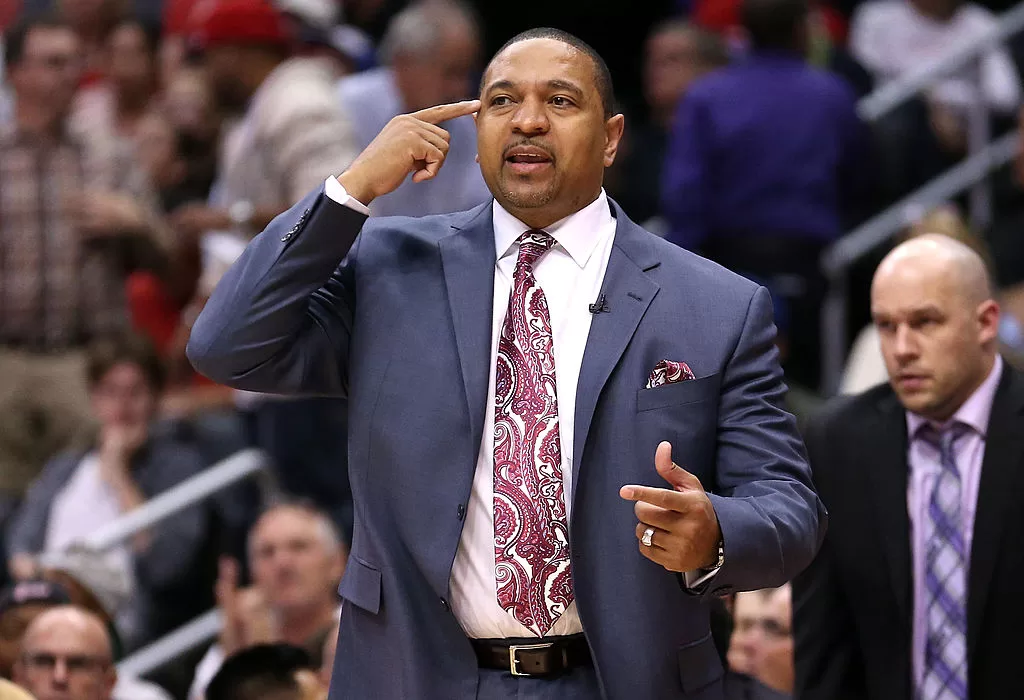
x=646 y=539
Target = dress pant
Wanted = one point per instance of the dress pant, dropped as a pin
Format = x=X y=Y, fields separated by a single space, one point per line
x=578 y=684
x=44 y=409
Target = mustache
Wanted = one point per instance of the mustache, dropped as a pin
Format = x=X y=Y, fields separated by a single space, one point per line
x=548 y=151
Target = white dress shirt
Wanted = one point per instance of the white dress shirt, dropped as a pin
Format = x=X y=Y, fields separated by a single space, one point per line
x=571 y=274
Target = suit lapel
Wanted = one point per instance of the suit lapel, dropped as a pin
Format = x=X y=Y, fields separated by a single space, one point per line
x=997 y=491
x=628 y=292
x=888 y=469
x=467 y=258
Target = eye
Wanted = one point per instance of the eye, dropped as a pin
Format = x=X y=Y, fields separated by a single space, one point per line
x=501 y=101
x=561 y=101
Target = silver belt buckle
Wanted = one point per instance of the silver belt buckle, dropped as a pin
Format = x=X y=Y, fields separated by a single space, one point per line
x=513 y=662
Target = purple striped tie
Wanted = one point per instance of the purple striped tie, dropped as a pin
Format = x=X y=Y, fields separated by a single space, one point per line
x=945 y=652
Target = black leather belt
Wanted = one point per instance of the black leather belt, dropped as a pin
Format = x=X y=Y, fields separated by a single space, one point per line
x=549 y=656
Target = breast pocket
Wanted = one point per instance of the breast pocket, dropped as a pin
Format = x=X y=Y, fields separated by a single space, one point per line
x=689 y=391
x=685 y=414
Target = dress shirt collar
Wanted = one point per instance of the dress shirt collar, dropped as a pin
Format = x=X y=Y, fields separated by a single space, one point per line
x=578 y=233
x=974 y=412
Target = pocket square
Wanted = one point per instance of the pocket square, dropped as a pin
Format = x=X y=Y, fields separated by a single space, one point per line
x=668 y=372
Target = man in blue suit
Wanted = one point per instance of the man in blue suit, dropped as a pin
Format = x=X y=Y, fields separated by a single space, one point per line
x=520 y=377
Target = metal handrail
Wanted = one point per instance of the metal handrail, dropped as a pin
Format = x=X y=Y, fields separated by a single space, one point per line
x=859 y=242
x=841 y=255
x=237 y=467
x=245 y=464
x=892 y=95
x=172 y=645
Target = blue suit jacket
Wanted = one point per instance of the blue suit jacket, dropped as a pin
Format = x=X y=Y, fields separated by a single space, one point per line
x=403 y=325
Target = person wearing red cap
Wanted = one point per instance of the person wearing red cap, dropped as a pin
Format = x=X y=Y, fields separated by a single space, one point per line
x=290 y=135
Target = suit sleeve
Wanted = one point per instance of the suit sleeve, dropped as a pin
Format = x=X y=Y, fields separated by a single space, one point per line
x=825 y=648
x=771 y=519
x=280 y=319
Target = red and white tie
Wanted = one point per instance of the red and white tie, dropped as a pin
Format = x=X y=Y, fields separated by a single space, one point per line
x=531 y=532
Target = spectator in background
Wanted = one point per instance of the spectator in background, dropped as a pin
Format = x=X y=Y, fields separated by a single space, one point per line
x=80 y=491
x=66 y=654
x=915 y=592
x=27 y=600
x=894 y=38
x=757 y=655
x=430 y=52
x=268 y=672
x=290 y=135
x=865 y=366
x=116 y=105
x=63 y=256
x=765 y=166
x=92 y=21
x=297 y=559
x=676 y=54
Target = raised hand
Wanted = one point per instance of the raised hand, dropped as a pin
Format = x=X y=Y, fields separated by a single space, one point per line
x=686 y=531
x=410 y=143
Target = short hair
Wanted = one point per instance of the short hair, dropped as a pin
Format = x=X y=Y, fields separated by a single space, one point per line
x=419 y=27
x=126 y=348
x=602 y=76
x=16 y=38
x=711 y=49
x=774 y=24
x=260 y=671
x=329 y=535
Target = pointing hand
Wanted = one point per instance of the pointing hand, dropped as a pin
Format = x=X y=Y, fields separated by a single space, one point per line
x=686 y=530
x=410 y=143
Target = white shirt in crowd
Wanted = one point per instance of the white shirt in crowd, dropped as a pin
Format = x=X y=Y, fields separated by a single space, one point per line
x=87 y=503
x=891 y=38
x=571 y=275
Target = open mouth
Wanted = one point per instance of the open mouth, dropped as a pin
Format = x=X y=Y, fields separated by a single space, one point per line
x=526 y=160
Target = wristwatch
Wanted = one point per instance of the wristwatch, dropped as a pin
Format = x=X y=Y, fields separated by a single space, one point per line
x=721 y=555
x=241 y=213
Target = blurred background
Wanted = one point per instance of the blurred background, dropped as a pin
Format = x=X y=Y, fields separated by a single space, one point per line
x=144 y=142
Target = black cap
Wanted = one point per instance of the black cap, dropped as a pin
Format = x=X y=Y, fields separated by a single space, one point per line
x=34 y=591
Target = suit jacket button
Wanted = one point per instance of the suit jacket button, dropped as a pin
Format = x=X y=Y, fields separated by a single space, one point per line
x=461 y=511
x=286 y=237
x=444 y=604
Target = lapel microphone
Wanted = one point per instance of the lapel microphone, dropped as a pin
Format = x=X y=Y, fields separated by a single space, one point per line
x=601 y=305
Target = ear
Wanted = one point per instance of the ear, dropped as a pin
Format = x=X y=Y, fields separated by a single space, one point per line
x=988 y=321
x=613 y=129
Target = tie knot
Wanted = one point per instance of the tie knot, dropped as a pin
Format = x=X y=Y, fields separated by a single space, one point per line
x=943 y=438
x=532 y=245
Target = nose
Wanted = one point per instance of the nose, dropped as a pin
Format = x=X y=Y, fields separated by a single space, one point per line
x=60 y=673
x=530 y=117
x=906 y=343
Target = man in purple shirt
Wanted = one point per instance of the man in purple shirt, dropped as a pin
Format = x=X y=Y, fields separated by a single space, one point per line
x=915 y=593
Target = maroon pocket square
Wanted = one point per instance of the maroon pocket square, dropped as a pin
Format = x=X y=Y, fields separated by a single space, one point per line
x=668 y=372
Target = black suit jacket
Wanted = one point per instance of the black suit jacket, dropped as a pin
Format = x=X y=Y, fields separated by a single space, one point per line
x=853 y=605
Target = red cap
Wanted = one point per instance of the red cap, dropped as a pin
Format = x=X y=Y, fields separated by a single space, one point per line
x=219 y=22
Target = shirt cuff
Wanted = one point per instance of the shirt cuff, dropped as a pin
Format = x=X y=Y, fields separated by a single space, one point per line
x=336 y=191
x=696 y=579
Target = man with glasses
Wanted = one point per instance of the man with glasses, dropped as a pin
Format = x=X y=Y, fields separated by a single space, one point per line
x=66 y=654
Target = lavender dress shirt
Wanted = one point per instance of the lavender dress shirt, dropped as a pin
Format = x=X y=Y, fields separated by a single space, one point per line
x=923 y=461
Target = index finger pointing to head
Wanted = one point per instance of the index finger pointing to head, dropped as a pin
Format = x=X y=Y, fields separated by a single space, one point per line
x=441 y=113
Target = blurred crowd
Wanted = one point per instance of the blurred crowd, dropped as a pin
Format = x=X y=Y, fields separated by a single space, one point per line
x=143 y=144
